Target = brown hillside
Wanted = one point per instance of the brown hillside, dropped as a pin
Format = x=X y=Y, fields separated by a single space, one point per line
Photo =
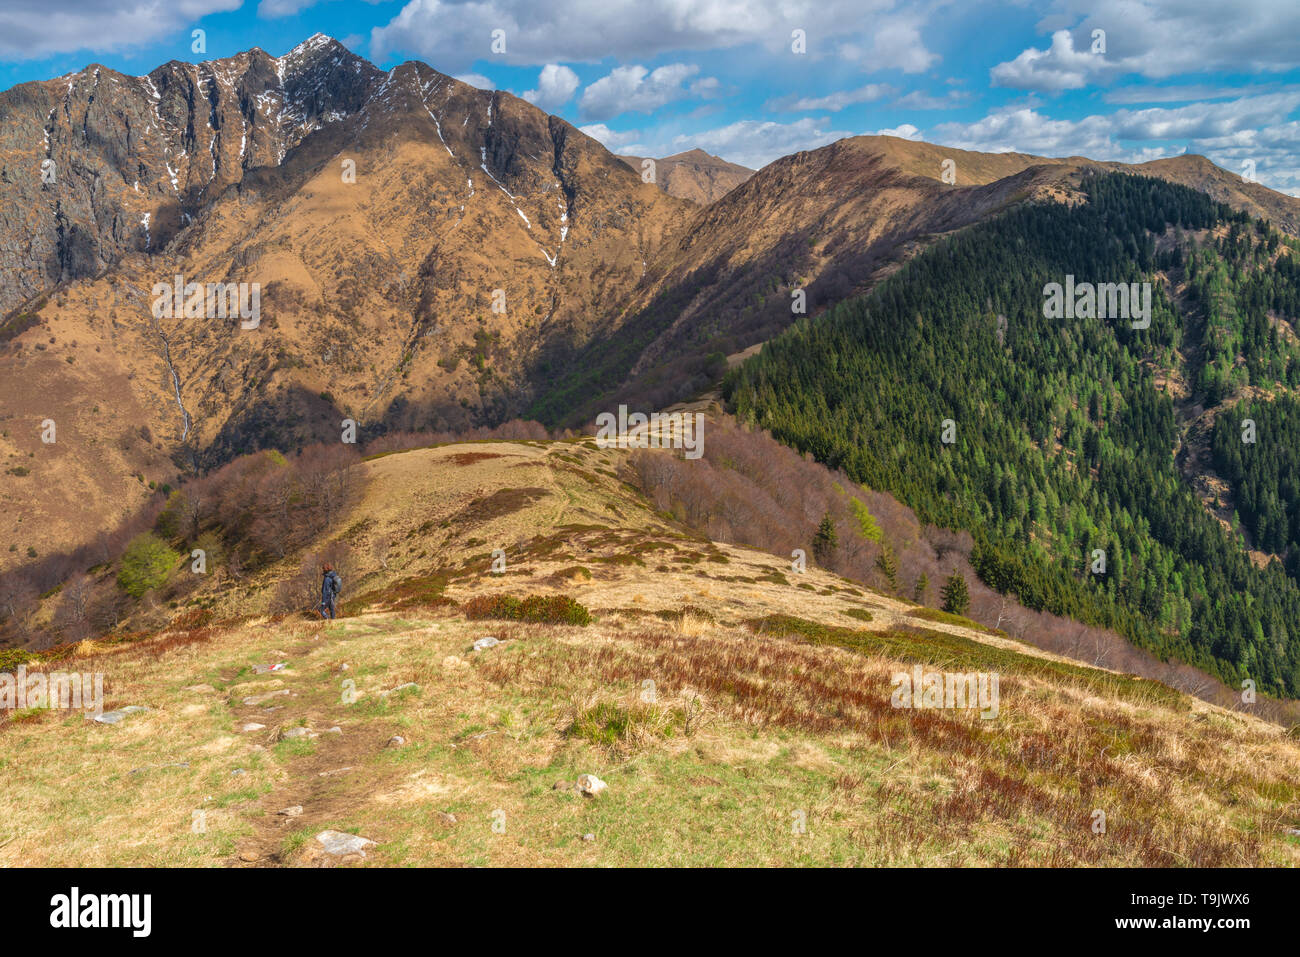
x=694 y=175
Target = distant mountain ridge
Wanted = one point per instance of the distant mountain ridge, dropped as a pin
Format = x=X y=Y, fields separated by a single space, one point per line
x=694 y=175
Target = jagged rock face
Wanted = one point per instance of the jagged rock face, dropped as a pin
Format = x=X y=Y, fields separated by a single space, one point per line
x=417 y=244
x=98 y=164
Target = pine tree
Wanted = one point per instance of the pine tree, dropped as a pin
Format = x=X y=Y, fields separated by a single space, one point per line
x=920 y=588
x=955 y=595
x=825 y=540
x=888 y=566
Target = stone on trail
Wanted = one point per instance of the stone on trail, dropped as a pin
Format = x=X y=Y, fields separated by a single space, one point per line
x=396 y=741
x=485 y=643
x=294 y=811
x=590 y=785
x=409 y=686
x=252 y=726
x=299 y=733
x=268 y=669
x=118 y=716
x=339 y=844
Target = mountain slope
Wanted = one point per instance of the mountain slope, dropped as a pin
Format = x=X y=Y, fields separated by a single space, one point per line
x=830 y=222
x=721 y=680
x=693 y=175
x=1062 y=431
x=409 y=295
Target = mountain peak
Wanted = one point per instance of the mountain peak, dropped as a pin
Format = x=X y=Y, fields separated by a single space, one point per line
x=317 y=41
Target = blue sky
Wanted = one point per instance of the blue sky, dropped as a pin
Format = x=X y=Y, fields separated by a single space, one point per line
x=655 y=77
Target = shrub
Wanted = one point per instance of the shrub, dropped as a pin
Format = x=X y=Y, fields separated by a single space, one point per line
x=145 y=565
x=611 y=724
x=11 y=658
x=538 y=609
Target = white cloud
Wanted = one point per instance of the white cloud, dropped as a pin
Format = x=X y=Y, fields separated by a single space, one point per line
x=31 y=29
x=1228 y=133
x=555 y=85
x=453 y=34
x=476 y=80
x=636 y=89
x=611 y=139
x=1156 y=39
x=905 y=131
x=1059 y=67
x=1180 y=94
x=833 y=102
x=895 y=44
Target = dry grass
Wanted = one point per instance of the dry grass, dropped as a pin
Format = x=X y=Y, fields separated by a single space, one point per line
x=712 y=733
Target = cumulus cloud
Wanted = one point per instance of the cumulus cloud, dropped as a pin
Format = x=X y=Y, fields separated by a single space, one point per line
x=1156 y=39
x=895 y=44
x=636 y=89
x=1228 y=133
x=611 y=139
x=452 y=34
x=904 y=131
x=476 y=80
x=555 y=85
x=1059 y=67
x=31 y=29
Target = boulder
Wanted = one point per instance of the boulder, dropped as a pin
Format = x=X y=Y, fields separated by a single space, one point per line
x=339 y=844
x=118 y=716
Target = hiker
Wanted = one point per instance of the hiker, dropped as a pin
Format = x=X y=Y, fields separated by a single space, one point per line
x=329 y=591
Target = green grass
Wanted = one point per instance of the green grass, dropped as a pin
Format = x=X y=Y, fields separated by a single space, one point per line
x=964 y=654
x=538 y=609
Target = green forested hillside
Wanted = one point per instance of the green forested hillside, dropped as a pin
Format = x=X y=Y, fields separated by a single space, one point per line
x=1066 y=429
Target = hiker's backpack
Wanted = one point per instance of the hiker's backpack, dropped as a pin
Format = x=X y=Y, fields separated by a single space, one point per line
x=338 y=584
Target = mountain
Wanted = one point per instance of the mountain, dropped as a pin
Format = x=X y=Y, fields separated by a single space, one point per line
x=831 y=222
x=411 y=294
x=1060 y=440
x=427 y=255
x=693 y=175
